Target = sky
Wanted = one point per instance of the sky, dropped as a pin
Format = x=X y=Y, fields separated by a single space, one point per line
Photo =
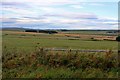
x=60 y=14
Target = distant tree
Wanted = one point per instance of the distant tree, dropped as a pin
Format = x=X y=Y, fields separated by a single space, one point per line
x=118 y=38
x=31 y=30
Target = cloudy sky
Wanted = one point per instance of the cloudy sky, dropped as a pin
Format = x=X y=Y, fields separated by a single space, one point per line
x=60 y=14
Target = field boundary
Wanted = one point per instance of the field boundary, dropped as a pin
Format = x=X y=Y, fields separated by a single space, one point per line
x=78 y=50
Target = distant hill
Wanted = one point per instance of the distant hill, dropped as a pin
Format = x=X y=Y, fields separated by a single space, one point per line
x=14 y=29
x=57 y=30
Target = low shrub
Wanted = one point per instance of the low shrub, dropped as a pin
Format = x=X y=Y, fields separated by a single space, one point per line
x=59 y=65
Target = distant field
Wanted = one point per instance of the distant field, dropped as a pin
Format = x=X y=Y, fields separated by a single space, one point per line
x=28 y=41
x=93 y=32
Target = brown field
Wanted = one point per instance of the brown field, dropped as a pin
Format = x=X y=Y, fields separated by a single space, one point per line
x=85 y=36
x=82 y=36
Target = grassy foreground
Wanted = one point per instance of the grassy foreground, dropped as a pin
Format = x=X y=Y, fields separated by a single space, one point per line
x=23 y=56
x=51 y=64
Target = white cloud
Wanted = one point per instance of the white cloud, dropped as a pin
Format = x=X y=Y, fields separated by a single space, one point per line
x=55 y=15
x=43 y=2
x=60 y=1
x=32 y=21
x=69 y=21
x=76 y=6
x=18 y=12
x=51 y=10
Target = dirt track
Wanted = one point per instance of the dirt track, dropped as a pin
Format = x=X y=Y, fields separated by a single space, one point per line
x=78 y=50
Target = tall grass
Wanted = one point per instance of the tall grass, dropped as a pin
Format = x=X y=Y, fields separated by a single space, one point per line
x=53 y=64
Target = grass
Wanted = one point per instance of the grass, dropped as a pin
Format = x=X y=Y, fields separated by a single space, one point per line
x=50 y=64
x=29 y=41
x=23 y=56
x=90 y=32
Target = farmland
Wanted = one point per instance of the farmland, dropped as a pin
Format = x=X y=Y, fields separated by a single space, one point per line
x=24 y=55
x=28 y=41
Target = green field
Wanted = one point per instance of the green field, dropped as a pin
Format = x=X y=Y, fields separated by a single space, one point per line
x=89 y=32
x=24 y=56
x=29 y=41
